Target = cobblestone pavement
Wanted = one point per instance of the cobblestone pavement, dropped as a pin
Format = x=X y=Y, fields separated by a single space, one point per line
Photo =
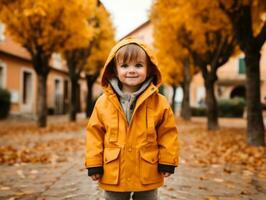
x=69 y=181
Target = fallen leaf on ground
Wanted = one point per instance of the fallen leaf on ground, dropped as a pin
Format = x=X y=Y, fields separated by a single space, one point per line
x=210 y=198
x=218 y=180
x=20 y=173
x=225 y=146
x=4 y=188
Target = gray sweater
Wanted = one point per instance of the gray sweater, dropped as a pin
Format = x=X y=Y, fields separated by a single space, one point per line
x=128 y=100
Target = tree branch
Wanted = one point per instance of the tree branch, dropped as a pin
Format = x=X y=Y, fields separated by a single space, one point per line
x=261 y=37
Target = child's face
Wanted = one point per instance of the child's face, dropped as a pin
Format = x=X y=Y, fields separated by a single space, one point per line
x=132 y=73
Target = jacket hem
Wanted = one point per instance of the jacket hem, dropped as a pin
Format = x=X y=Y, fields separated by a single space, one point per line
x=120 y=188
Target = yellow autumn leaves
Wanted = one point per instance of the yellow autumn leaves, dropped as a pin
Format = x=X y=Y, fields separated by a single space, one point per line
x=50 y=24
x=59 y=26
x=201 y=21
x=104 y=42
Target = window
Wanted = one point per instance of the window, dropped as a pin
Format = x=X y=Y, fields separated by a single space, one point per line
x=58 y=97
x=57 y=87
x=1 y=77
x=27 y=87
x=57 y=60
x=2 y=31
x=66 y=89
x=241 y=66
x=200 y=96
x=2 y=74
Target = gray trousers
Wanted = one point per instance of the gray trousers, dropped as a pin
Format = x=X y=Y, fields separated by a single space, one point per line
x=145 y=195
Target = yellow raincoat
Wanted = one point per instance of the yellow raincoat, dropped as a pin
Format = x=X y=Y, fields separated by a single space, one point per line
x=130 y=152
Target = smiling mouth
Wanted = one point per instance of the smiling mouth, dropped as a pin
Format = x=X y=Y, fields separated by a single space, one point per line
x=132 y=77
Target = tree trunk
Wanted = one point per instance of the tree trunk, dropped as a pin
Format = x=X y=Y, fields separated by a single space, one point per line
x=74 y=98
x=212 y=109
x=185 y=107
x=241 y=19
x=42 y=102
x=255 y=126
x=173 y=98
x=41 y=67
x=90 y=102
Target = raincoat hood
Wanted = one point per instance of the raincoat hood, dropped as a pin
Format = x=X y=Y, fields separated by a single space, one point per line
x=108 y=70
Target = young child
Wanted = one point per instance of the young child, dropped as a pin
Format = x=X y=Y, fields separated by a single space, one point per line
x=132 y=140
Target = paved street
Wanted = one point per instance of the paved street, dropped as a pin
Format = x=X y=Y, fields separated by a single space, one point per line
x=68 y=180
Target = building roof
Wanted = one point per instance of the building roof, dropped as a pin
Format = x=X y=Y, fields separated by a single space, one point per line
x=8 y=46
x=137 y=29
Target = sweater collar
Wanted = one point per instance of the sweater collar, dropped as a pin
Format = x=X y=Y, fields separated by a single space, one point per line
x=127 y=96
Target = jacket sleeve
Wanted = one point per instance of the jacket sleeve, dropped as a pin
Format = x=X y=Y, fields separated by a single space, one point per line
x=95 y=170
x=166 y=168
x=94 y=140
x=168 y=139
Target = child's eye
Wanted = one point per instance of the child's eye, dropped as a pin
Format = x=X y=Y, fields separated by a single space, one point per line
x=124 y=65
x=139 y=65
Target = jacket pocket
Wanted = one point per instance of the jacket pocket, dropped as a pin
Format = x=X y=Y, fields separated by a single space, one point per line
x=149 y=165
x=111 y=166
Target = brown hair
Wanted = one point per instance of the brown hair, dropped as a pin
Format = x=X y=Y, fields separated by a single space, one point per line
x=128 y=53
x=131 y=52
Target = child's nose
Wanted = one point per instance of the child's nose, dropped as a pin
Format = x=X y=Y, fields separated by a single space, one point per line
x=131 y=69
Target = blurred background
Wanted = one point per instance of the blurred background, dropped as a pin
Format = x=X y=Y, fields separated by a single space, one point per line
x=212 y=55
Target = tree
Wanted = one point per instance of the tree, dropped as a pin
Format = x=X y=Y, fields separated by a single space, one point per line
x=174 y=59
x=4 y=3
x=171 y=71
x=204 y=32
x=91 y=58
x=249 y=24
x=208 y=37
x=45 y=27
x=104 y=41
x=76 y=59
x=177 y=72
x=209 y=61
x=188 y=71
x=168 y=51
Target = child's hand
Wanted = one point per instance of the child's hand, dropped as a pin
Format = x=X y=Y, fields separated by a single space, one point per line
x=95 y=177
x=166 y=174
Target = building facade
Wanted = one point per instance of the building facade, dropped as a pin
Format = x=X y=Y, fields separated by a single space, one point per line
x=18 y=76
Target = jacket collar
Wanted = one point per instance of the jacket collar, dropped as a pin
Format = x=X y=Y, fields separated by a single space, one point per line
x=111 y=95
x=115 y=85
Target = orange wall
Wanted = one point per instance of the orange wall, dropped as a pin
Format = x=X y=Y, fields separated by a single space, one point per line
x=13 y=78
x=14 y=69
x=145 y=33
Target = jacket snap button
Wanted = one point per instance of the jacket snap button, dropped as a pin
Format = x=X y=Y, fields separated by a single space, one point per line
x=129 y=149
